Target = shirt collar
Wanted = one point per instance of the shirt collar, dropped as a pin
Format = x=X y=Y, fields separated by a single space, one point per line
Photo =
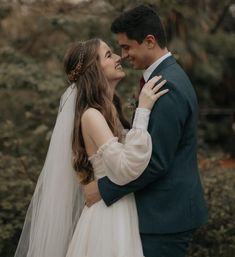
x=147 y=73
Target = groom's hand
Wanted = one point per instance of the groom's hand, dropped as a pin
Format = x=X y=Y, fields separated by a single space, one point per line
x=92 y=193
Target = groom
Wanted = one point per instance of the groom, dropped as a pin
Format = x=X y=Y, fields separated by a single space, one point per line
x=169 y=194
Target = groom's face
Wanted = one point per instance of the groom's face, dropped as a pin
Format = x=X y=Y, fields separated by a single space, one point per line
x=135 y=53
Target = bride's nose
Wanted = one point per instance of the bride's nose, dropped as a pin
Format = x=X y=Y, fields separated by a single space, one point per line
x=118 y=58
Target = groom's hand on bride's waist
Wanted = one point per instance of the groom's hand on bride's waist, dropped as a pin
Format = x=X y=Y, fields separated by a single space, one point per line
x=92 y=193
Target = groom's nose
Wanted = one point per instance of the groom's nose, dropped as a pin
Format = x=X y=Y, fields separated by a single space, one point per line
x=124 y=54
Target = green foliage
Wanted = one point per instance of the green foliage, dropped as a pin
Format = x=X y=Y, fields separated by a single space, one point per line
x=217 y=238
x=15 y=194
x=5 y=10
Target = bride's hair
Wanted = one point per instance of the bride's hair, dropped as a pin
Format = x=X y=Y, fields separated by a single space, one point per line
x=82 y=65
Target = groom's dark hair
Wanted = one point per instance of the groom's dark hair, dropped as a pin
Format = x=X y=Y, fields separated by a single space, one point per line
x=139 y=22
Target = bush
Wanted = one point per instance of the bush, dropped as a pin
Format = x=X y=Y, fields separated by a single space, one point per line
x=217 y=238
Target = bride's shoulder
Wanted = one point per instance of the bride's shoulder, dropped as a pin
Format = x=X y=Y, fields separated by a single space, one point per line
x=91 y=112
x=95 y=125
x=92 y=116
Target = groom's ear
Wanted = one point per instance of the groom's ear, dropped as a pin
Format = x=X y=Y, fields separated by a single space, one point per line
x=150 y=41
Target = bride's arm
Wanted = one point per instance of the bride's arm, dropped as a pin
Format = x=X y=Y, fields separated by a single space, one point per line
x=95 y=127
x=123 y=162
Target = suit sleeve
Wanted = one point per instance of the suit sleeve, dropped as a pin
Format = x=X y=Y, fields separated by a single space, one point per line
x=166 y=125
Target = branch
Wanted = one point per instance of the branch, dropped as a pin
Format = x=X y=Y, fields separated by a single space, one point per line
x=26 y=170
x=221 y=18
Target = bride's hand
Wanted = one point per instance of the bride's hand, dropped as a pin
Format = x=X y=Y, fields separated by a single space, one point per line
x=150 y=93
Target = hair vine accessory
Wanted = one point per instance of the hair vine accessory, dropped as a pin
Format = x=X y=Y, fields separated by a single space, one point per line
x=77 y=71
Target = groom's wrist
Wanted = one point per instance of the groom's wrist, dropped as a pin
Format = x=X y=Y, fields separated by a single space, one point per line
x=101 y=186
x=105 y=191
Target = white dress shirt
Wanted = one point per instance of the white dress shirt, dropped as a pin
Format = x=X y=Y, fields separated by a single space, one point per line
x=147 y=73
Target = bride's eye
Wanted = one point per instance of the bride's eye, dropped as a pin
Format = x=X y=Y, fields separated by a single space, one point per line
x=108 y=54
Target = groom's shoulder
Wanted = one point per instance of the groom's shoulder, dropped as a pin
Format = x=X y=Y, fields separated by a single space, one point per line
x=176 y=75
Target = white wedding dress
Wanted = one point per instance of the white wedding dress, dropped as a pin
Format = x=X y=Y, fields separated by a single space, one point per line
x=53 y=225
x=113 y=231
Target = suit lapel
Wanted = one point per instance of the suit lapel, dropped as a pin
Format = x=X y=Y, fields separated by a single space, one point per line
x=163 y=65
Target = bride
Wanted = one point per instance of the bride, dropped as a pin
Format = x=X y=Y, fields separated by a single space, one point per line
x=88 y=142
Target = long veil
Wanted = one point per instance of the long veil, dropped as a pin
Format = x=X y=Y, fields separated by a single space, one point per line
x=57 y=200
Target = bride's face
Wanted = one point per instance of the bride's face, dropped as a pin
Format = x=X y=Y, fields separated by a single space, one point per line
x=110 y=63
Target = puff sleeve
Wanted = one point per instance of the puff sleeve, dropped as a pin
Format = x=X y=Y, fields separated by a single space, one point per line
x=124 y=162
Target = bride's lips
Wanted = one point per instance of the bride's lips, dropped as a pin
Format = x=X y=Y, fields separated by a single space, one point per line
x=118 y=66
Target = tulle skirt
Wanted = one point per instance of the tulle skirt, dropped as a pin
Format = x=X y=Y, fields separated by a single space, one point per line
x=105 y=231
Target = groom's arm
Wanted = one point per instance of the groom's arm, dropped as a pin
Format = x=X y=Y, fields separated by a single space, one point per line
x=166 y=123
